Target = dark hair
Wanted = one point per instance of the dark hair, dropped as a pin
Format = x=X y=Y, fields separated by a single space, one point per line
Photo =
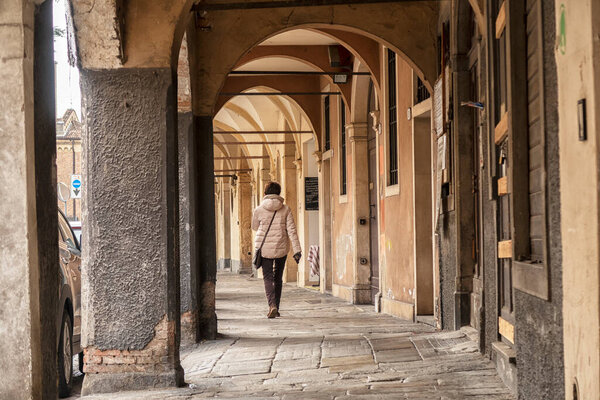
x=272 y=188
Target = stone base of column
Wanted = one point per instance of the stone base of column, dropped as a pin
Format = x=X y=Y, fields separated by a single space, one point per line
x=189 y=327
x=223 y=264
x=116 y=382
x=207 y=318
x=156 y=365
x=354 y=295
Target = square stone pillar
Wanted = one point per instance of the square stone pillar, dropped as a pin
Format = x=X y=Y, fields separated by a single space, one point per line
x=28 y=217
x=290 y=193
x=244 y=218
x=224 y=209
x=130 y=271
x=359 y=190
x=206 y=245
x=187 y=229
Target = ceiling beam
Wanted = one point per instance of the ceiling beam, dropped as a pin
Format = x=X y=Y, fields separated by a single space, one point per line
x=290 y=3
x=244 y=143
x=297 y=73
x=261 y=132
x=280 y=94
x=242 y=158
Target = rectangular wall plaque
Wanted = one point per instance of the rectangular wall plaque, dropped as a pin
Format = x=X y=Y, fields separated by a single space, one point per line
x=311 y=193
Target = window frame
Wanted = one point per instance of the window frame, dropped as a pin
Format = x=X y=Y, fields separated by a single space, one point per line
x=343 y=148
x=327 y=123
x=392 y=170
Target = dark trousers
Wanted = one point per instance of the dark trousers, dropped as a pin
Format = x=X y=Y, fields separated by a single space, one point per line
x=272 y=276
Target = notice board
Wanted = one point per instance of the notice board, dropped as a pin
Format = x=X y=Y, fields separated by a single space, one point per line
x=311 y=193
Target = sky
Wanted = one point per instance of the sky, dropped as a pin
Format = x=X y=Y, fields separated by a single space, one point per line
x=68 y=94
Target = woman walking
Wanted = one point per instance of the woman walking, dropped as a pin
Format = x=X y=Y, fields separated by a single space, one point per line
x=275 y=228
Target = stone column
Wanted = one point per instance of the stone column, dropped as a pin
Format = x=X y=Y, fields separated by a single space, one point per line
x=359 y=190
x=130 y=271
x=225 y=261
x=187 y=229
x=206 y=238
x=28 y=233
x=289 y=192
x=244 y=218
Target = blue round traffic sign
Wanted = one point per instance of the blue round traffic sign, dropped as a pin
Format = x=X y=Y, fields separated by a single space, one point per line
x=76 y=183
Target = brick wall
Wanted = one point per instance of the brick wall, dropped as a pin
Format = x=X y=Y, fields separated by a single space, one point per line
x=157 y=356
x=64 y=170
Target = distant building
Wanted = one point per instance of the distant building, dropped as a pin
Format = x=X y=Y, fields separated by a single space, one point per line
x=68 y=159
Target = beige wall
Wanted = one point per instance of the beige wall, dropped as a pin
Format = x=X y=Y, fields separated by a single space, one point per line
x=578 y=78
x=396 y=206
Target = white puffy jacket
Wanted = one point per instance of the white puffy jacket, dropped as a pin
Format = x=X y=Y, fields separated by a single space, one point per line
x=282 y=231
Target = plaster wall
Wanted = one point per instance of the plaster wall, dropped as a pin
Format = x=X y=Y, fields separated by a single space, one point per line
x=131 y=262
x=397 y=238
x=342 y=240
x=578 y=72
x=308 y=220
x=21 y=344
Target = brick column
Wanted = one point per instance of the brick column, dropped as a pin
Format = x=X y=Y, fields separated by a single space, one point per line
x=130 y=271
x=359 y=190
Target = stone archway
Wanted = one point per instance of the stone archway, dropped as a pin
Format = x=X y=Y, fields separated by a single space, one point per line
x=410 y=32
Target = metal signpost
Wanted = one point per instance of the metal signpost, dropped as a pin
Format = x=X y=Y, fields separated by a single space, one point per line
x=76 y=187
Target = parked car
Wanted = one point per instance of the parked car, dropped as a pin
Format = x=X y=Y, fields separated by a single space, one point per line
x=76 y=226
x=68 y=324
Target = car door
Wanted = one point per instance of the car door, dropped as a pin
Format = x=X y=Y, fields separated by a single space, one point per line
x=70 y=256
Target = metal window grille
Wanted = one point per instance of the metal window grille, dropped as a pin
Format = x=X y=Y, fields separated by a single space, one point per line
x=422 y=92
x=392 y=120
x=343 y=136
x=327 y=129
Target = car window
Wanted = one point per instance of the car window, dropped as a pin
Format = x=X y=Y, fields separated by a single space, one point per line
x=66 y=229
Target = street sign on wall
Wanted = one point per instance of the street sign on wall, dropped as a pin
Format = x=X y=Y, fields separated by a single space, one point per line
x=76 y=186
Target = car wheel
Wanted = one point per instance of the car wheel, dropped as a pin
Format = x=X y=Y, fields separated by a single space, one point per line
x=65 y=356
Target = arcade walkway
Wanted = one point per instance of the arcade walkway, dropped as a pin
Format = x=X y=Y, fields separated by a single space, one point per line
x=324 y=348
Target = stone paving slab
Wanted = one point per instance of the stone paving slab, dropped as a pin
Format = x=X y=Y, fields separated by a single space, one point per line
x=324 y=349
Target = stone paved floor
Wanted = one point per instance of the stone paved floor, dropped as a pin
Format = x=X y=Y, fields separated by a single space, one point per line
x=324 y=348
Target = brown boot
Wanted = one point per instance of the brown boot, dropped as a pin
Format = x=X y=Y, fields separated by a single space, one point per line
x=272 y=312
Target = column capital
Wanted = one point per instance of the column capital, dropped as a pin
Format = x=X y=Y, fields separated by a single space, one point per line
x=357 y=131
x=318 y=155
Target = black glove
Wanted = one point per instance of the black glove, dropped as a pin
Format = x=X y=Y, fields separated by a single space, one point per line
x=297 y=257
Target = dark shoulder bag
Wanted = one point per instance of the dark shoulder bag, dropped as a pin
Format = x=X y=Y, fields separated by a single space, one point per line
x=258 y=254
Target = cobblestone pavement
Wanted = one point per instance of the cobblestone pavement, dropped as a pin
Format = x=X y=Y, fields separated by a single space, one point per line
x=324 y=348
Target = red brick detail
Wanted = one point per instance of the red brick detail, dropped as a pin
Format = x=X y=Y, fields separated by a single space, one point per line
x=157 y=356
